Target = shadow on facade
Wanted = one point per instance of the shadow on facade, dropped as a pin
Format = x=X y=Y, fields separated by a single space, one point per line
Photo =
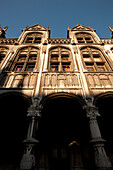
x=105 y=106
x=13 y=129
x=64 y=136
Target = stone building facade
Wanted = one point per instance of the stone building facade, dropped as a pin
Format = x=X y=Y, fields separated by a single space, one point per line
x=56 y=97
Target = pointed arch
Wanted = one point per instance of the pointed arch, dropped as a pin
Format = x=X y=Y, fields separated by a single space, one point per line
x=60 y=59
x=94 y=59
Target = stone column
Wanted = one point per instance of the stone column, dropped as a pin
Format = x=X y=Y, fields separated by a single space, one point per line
x=28 y=159
x=102 y=162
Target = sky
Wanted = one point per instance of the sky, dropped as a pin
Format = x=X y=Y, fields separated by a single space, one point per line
x=57 y=14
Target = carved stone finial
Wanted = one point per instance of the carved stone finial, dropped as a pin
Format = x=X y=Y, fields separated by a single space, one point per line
x=111 y=29
x=2 y=31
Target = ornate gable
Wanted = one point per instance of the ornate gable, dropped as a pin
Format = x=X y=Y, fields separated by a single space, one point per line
x=36 y=27
x=79 y=27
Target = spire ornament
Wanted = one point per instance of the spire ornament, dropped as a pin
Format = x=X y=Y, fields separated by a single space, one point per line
x=111 y=29
x=2 y=31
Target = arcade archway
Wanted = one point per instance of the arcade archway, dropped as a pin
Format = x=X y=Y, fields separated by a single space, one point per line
x=13 y=129
x=105 y=104
x=63 y=135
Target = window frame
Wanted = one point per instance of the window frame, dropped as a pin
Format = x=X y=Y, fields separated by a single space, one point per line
x=27 y=53
x=33 y=36
x=100 y=62
x=56 y=59
x=82 y=38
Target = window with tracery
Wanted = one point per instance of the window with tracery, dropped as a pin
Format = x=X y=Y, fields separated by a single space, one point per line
x=84 y=38
x=3 y=52
x=60 y=60
x=94 y=60
x=33 y=38
x=26 y=60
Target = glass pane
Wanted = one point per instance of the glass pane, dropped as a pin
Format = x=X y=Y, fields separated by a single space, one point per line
x=86 y=57
x=37 y=40
x=90 y=68
x=65 y=58
x=22 y=59
x=30 y=68
x=29 y=40
x=18 y=68
x=54 y=68
x=66 y=67
x=33 y=58
x=54 y=57
x=101 y=68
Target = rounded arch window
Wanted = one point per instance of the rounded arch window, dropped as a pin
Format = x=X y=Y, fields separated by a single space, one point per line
x=26 y=60
x=94 y=60
x=84 y=38
x=60 y=59
x=33 y=38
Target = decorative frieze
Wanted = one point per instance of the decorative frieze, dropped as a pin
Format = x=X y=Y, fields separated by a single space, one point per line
x=59 y=41
x=8 y=41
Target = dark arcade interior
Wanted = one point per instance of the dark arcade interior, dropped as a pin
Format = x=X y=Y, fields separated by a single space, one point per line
x=13 y=130
x=64 y=135
x=105 y=105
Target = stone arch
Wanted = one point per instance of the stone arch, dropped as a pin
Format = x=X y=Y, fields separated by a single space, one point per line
x=13 y=128
x=63 y=94
x=104 y=102
x=26 y=46
x=61 y=126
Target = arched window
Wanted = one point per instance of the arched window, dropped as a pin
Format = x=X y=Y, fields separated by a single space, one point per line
x=33 y=38
x=26 y=60
x=94 y=60
x=3 y=52
x=84 y=38
x=112 y=50
x=60 y=60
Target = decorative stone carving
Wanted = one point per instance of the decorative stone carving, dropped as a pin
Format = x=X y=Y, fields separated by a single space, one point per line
x=28 y=159
x=34 y=111
x=111 y=29
x=35 y=108
x=2 y=32
x=91 y=110
x=101 y=159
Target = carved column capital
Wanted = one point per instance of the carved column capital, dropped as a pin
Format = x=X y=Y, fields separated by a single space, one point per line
x=101 y=159
x=35 y=108
x=91 y=109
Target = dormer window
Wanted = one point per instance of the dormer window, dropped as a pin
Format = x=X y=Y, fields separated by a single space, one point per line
x=84 y=38
x=33 y=38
